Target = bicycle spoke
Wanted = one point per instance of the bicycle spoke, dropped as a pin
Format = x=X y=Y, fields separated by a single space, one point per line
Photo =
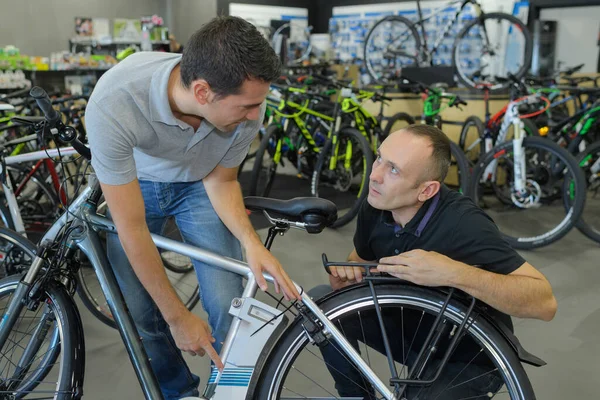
x=472 y=379
x=313 y=381
x=337 y=370
x=411 y=343
x=461 y=371
x=364 y=339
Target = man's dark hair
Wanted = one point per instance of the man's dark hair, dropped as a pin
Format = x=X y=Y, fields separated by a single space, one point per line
x=440 y=155
x=225 y=52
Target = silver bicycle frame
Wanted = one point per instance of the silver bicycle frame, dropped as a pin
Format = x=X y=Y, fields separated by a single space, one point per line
x=11 y=198
x=89 y=242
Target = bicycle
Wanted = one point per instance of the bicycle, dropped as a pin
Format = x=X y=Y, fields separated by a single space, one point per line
x=250 y=370
x=522 y=175
x=495 y=129
x=394 y=42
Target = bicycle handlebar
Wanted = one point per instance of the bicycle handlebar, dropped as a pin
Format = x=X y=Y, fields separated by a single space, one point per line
x=53 y=120
x=18 y=93
x=44 y=103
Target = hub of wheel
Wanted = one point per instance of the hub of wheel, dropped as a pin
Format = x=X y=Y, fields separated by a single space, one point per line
x=529 y=197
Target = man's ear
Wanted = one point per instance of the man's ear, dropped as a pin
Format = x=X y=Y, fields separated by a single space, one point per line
x=202 y=91
x=429 y=189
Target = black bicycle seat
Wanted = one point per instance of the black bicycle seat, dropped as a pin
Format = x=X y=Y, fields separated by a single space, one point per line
x=316 y=213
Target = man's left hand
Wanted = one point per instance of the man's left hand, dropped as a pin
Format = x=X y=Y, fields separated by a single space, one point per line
x=260 y=259
x=425 y=268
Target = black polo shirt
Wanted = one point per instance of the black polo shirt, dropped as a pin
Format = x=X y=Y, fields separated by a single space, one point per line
x=450 y=224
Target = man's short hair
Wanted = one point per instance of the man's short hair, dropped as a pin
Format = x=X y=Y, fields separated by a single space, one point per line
x=440 y=155
x=225 y=52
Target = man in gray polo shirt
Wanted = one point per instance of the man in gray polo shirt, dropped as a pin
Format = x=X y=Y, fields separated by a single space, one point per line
x=167 y=134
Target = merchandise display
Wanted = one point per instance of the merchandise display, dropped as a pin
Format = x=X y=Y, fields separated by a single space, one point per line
x=436 y=182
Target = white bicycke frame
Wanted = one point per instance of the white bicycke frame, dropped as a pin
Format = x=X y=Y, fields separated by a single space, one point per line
x=511 y=117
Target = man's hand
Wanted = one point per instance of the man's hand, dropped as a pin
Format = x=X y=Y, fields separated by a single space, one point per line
x=345 y=276
x=260 y=259
x=193 y=336
x=425 y=268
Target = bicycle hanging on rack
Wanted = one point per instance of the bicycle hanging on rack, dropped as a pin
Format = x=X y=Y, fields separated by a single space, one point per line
x=489 y=45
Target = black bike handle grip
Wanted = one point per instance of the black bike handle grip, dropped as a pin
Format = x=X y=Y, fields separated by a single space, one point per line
x=82 y=149
x=44 y=103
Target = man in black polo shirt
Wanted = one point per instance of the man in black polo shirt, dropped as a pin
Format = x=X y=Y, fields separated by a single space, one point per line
x=422 y=232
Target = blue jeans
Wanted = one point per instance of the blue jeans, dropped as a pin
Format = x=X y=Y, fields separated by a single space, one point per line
x=200 y=226
x=459 y=379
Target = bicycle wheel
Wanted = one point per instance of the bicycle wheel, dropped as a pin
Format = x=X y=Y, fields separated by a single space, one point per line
x=265 y=165
x=345 y=180
x=175 y=262
x=459 y=172
x=297 y=369
x=536 y=217
x=471 y=138
x=42 y=353
x=392 y=43
x=490 y=46
x=589 y=162
x=396 y=122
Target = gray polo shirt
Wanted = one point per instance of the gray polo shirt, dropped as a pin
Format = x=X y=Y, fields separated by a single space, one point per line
x=133 y=133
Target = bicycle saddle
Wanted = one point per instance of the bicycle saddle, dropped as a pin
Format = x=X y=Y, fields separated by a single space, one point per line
x=316 y=213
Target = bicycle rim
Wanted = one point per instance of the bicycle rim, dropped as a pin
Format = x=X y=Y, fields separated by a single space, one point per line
x=391 y=44
x=46 y=372
x=537 y=217
x=298 y=375
x=494 y=46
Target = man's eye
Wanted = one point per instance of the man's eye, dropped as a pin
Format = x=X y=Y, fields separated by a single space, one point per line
x=394 y=170
x=378 y=159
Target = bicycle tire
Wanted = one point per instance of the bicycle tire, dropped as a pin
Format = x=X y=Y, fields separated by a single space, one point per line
x=273 y=131
x=277 y=364
x=401 y=116
x=462 y=166
x=584 y=227
x=70 y=348
x=411 y=27
x=527 y=243
x=322 y=165
x=472 y=121
x=494 y=16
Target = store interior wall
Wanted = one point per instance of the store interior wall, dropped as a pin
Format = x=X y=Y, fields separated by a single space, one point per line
x=184 y=17
x=578 y=30
x=39 y=27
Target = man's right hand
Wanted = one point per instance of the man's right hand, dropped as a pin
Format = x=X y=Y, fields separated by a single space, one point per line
x=193 y=336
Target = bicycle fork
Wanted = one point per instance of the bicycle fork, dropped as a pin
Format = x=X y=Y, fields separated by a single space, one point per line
x=22 y=294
